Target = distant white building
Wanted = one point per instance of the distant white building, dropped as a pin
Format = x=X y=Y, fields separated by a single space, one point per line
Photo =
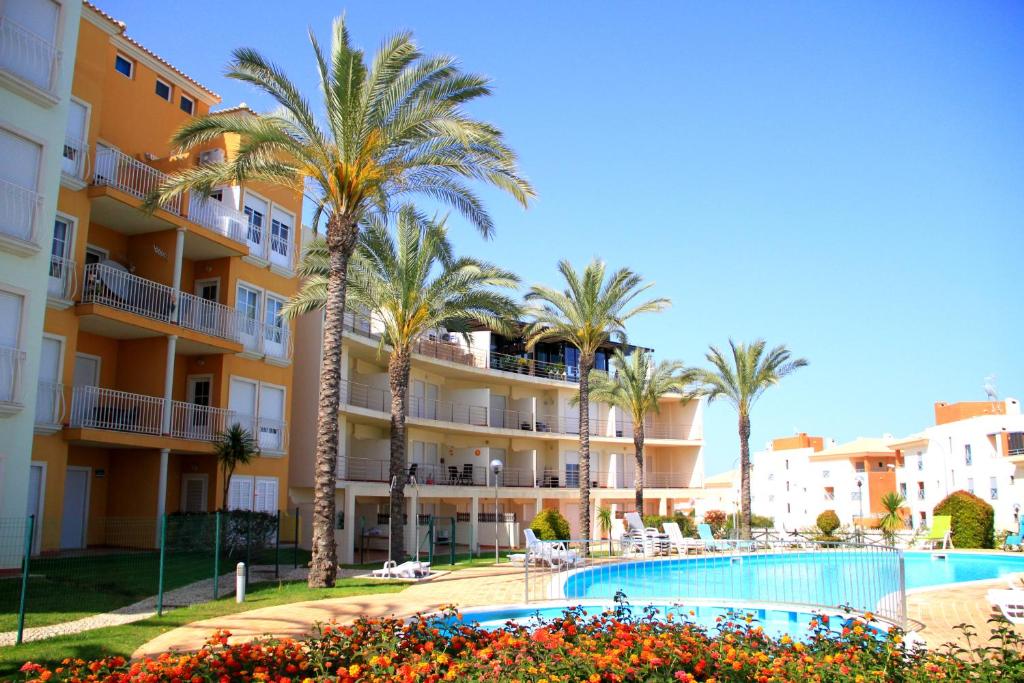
x=973 y=446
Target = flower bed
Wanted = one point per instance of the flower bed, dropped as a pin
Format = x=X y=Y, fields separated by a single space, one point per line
x=612 y=647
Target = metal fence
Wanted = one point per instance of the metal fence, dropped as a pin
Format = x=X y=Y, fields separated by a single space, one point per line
x=795 y=571
x=134 y=565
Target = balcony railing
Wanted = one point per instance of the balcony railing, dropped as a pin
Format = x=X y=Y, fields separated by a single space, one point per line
x=19 y=208
x=265 y=339
x=282 y=252
x=50 y=404
x=198 y=423
x=110 y=286
x=28 y=56
x=74 y=158
x=63 y=280
x=12 y=362
x=118 y=170
x=209 y=317
x=270 y=433
x=218 y=216
x=120 y=411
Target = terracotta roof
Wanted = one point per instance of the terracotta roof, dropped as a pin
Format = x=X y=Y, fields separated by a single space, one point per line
x=241 y=106
x=122 y=27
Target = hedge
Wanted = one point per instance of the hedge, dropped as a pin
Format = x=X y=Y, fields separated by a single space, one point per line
x=550 y=525
x=973 y=521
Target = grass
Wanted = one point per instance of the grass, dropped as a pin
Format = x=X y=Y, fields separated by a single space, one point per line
x=442 y=561
x=123 y=640
x=67 y=588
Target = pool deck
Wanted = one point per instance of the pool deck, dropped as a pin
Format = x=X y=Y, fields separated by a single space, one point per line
x=934 y=613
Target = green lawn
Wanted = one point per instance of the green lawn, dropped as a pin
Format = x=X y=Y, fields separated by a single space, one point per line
x=123 y=640
x=442 y=561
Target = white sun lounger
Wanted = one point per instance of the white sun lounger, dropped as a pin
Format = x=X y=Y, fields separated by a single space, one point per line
x=551 y=553
x=680 y=543
x=406 y=570
x=1010 y=603
x=637 y=538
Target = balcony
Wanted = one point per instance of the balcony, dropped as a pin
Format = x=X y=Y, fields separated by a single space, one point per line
x=61 y=285
x=219 y=217
x=20 y=208
x=32 y=61
x=270 y=433
x=199 y=423
x=264 y=340
x=73 y=163
x=112 y=410
x=12 y=366
x=50 y=407
x=116 y=169
x=112 y=286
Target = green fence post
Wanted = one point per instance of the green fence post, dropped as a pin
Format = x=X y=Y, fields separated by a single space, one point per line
x=451 y=541
x=248 y=548
x=25 y=560
x=296 y=538
x=163 y=557
x=277 y=548
x=216 y=556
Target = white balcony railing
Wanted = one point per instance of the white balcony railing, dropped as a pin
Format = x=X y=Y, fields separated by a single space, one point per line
x=19 y=207
x=12 y=362
x=198 y=423
x=63 y=280
x=208 y=317
x=219 y=217
x=270 y=433
x=273 y=341
x=110 y=286
x=121 y=411
x=116 y=169
x=50 y=404
x=74 y=157
x=28 y=56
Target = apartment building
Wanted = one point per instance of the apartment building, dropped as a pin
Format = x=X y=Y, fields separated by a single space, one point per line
x=161 y=328
x=471 y=403
x=37 y=46
x=975 y=446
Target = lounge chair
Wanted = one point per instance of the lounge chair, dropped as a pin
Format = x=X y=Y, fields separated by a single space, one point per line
x=551 y=553
x=709 y=540
x=406 y=570
x=1015 y=540
x=637 y=538
x=1009 y=602
x=678 y=542
x=940 y=532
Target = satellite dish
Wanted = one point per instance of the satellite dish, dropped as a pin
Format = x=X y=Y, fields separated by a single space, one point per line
x=990 y=388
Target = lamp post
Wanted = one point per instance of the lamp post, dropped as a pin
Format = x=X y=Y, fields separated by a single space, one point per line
x=860 y=496
x=496 y=467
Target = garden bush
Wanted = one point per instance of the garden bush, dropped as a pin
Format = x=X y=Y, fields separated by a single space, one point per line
x=828 y=522
x=550 y=525
x=615 y=646
x=716 y=520
x=973 y=522
x=756 y=522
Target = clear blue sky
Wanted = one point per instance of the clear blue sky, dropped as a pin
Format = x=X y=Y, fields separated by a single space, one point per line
x=846 y=178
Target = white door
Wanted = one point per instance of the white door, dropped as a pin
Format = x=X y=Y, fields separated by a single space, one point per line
x=73 y=159
x=242 y=403
x=247 y=302
x=240 y=493
x=76 y=505
x=275 y=333
x=193 y=493
x=430 y=401
x=417 y=397
x=271 y=418
x=60 y=252
x=197 y=422
x=280 y=237
x=19 y=182
x=49 y=397
x=265 y=495
x=256 y=211
x=10 y=354
x=24 y=56
x=87 y=371
x=498 y=405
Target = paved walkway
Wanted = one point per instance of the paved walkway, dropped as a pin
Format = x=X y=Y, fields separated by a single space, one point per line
x=937 y=612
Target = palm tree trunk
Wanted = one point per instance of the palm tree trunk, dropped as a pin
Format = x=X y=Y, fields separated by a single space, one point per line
x=744 y=476
x=398 y=379
x=586 y=364
x=323 y=568
x=638 y=474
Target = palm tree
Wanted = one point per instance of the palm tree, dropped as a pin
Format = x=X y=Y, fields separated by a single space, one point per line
x=234 y=446
x=590 y=312
x=604 y=523
x=390 y=128
x=636 y=387
x=411 y=286
x=892 y=521
x=741 y=381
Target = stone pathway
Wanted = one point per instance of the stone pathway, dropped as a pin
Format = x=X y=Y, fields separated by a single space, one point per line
x=191 y=594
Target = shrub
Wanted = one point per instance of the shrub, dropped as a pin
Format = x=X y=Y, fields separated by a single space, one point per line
x=550 y=525
x=828 y=522
x=973 y=520
x=716 y=520
x=756 y=522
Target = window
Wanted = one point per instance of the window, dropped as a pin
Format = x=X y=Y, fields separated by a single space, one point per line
x=187 y=104
x=20 y=160
x=968 y=458
x=59 y=285
x=255 y=211
x=258 y=494
x=824 y=474
x=11 y=356
x=29 y=36
x=970 y=484
x=993 y=488
x=859 y=467
x=248 y=302
x=920 y=462
x=94 y=255
x=572 y=474
x=280 y=234
x=163 y=90
x=259 y=408
x=124 y=66
x=903 y=489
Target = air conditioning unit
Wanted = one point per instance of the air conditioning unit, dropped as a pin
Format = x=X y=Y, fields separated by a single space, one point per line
x=211 y=156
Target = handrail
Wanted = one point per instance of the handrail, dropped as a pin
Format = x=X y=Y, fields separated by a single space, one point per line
x=118 y=170
x=63 y=278
x=28 y=55
x=19 y=211
x=208 y=317
x=199 y=423
x=110 y=409
x=271 y=434
x=218 y=216
x=12 y=362
x=260 y=337
x=120 y=289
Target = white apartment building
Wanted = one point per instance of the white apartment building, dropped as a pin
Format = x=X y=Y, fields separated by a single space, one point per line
x=973 y=446
x=468 y=405
x=38 y=39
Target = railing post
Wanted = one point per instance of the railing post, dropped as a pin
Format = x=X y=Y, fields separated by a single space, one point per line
x=26 y=560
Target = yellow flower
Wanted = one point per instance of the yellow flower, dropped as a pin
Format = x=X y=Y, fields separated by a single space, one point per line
x=353 y=670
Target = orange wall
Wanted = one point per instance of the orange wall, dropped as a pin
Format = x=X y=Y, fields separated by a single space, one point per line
x=801 y=440
x=951 y=412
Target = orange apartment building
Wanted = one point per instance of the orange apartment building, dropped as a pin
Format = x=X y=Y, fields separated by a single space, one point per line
x=162 y=329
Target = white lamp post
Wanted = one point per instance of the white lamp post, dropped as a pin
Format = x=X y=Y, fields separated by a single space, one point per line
x=496 y=467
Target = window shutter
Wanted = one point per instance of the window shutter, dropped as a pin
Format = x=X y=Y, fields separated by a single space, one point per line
x=240 y=493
